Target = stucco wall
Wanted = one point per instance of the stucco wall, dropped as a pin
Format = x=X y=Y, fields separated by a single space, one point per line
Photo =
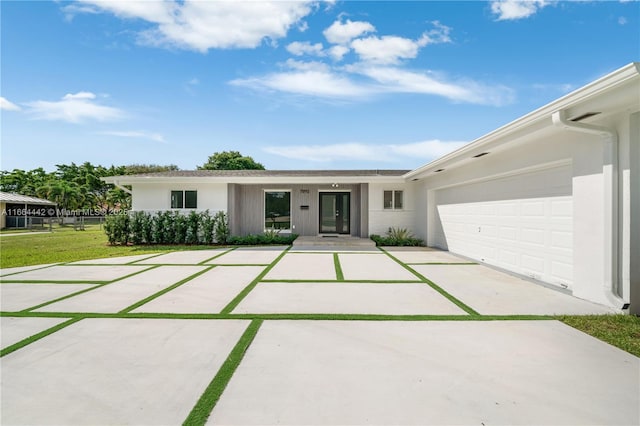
x=586 y=154
x=381 y=219
x=157 y=196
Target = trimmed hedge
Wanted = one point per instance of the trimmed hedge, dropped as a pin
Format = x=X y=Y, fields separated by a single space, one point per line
x=173 y=227
x=167 y=227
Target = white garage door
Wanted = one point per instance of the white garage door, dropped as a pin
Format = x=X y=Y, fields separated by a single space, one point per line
x=521 y=223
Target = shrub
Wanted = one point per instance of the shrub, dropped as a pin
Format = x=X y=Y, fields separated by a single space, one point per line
x=173 y=227
x=397 y=237
x=207 y=224
x=193 y=226
x=117 y=229
x=136 y=227
x=266 y=238
x=221 y=227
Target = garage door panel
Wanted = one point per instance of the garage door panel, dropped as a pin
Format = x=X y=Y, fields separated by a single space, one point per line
x=522 y=223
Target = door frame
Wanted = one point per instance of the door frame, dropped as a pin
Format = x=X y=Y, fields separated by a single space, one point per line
x=334 y=192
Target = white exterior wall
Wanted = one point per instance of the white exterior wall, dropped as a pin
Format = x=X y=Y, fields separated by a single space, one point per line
x=157 y=196
x=586 y=155
x=381 y=219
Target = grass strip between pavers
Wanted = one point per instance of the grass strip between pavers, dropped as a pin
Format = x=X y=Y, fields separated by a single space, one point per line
x=281 y=316
x=68 y=296
x=201 y=411
x=37 y=336
x=217 y=255
x=165 y=290
x=468 y=309
x=336 y=263
x=35 y=268
x=236 y=300
x=99 y=284
x=80 y=281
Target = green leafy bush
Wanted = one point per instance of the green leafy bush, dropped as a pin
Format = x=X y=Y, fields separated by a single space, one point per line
x=117 y=229
x=221 y=227
x=173 y=227
x=207 y=225
x=397 y=237
x=263 y=239
x=193 y=227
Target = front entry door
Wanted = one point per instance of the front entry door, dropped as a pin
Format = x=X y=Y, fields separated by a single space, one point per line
x=334 y=212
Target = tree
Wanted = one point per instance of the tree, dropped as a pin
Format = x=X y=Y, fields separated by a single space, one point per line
x=230 y=160
x=134 y=169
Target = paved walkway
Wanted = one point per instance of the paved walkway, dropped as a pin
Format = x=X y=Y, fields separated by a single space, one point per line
x=301 y=336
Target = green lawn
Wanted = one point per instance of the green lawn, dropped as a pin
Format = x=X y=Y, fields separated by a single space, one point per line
x=622 y=331
x=66 y=245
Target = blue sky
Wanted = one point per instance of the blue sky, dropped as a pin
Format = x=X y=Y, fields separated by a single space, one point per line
x=295 y=85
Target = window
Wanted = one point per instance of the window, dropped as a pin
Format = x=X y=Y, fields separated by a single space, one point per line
x=184 y=199
x=277 y=210
x=393 y=200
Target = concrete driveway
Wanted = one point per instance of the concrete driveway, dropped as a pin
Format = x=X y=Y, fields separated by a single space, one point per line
x=260 y=336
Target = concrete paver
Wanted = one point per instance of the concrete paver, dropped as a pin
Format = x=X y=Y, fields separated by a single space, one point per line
x=429 y=373
x=249 y=256
x=182 y=257
x=207 y=293
x=373 y=267
x=17 y=297
x=491 y=292
x=115 y=297
x=424 y=255
x=152 y=371
x=78 y=273
x=9 y=271
x=121 y=260
x=346 y=298
x=115 y=371
x=15 y=329
x=304 y=266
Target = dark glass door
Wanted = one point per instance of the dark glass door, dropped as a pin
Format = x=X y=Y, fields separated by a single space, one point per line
x=334 y=212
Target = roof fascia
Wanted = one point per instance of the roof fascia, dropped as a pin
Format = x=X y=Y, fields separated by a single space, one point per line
x=248 y=180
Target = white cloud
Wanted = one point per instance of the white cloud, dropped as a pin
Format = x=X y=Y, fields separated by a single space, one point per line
x=7 y=105
x=307 y=66
x=439 y=34
x=517 y=9
x=338 y=52
x=310 y=82
x=156 y=137
x=622 y=20
x=397 y=80
x=391 y=49
x=343 y=33
x=386 y=49
x=203 y=25
x=354 y=151
x=299 y=48
x=362 y=81
x=74 y=108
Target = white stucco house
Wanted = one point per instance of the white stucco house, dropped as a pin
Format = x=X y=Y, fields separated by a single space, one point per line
x=553 y=195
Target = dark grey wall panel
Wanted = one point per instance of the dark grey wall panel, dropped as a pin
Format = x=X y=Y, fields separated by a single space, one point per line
x=249 y=207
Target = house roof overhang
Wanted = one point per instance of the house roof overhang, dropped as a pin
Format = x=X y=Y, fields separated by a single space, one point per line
x=8 y=197
x=616 y=92
x=263 y=177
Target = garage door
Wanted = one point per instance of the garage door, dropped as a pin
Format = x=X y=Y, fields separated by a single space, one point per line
x=521 y=223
